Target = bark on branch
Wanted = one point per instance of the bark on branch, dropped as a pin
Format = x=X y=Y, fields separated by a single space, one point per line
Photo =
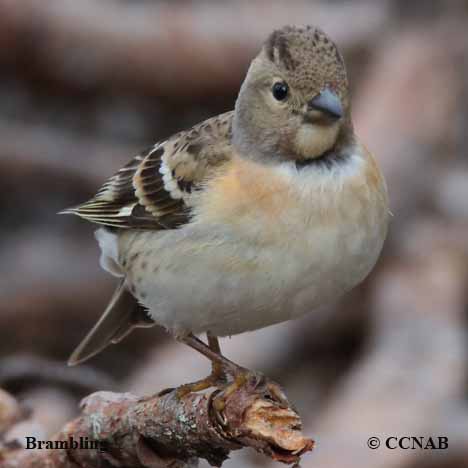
x=165 y=430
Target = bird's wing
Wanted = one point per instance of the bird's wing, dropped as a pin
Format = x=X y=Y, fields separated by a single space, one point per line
x=153 y=190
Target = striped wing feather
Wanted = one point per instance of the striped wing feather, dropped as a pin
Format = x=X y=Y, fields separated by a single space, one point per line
x=153 y=190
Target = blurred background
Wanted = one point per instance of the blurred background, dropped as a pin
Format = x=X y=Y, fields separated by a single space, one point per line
x=87 y=84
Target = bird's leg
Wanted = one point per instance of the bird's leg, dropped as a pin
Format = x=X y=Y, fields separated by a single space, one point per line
x=213 y=355
x=217 y=370
x=219 y=364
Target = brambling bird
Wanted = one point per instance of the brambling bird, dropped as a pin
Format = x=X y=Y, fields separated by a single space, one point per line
x=250 y=218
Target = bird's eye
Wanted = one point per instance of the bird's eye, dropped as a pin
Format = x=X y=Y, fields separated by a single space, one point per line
x=280 y=91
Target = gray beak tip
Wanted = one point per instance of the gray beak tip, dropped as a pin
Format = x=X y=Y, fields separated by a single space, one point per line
x=328 y=103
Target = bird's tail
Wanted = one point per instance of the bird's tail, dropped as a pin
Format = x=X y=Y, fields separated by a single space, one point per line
x=121 y=316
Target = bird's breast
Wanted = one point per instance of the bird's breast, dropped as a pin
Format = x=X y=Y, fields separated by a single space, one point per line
x=319 y=230
x=283 y=206
x=266 y=244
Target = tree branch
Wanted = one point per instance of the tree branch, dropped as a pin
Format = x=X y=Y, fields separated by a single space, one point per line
x=165 y=430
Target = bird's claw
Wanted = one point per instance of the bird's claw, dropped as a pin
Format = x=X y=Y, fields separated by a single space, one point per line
x=255 y=379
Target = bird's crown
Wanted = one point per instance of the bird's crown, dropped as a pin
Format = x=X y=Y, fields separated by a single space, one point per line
x=308 y=57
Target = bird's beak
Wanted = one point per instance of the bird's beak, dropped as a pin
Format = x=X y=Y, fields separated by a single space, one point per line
x=327 y=103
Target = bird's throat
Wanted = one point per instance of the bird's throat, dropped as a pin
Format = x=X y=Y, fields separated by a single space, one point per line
x=312 y=141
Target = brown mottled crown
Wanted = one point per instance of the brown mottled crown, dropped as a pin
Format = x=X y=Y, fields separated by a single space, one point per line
x=309 y=58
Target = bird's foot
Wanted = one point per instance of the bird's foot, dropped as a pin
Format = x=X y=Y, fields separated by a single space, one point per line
x=228 y=377
x=217 y=378
x=248 y=378
x=193 y=387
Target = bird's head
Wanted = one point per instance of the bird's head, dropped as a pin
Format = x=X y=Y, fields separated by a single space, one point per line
x=294 y=103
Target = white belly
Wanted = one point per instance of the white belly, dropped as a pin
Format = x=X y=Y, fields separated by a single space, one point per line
x=229 y=289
